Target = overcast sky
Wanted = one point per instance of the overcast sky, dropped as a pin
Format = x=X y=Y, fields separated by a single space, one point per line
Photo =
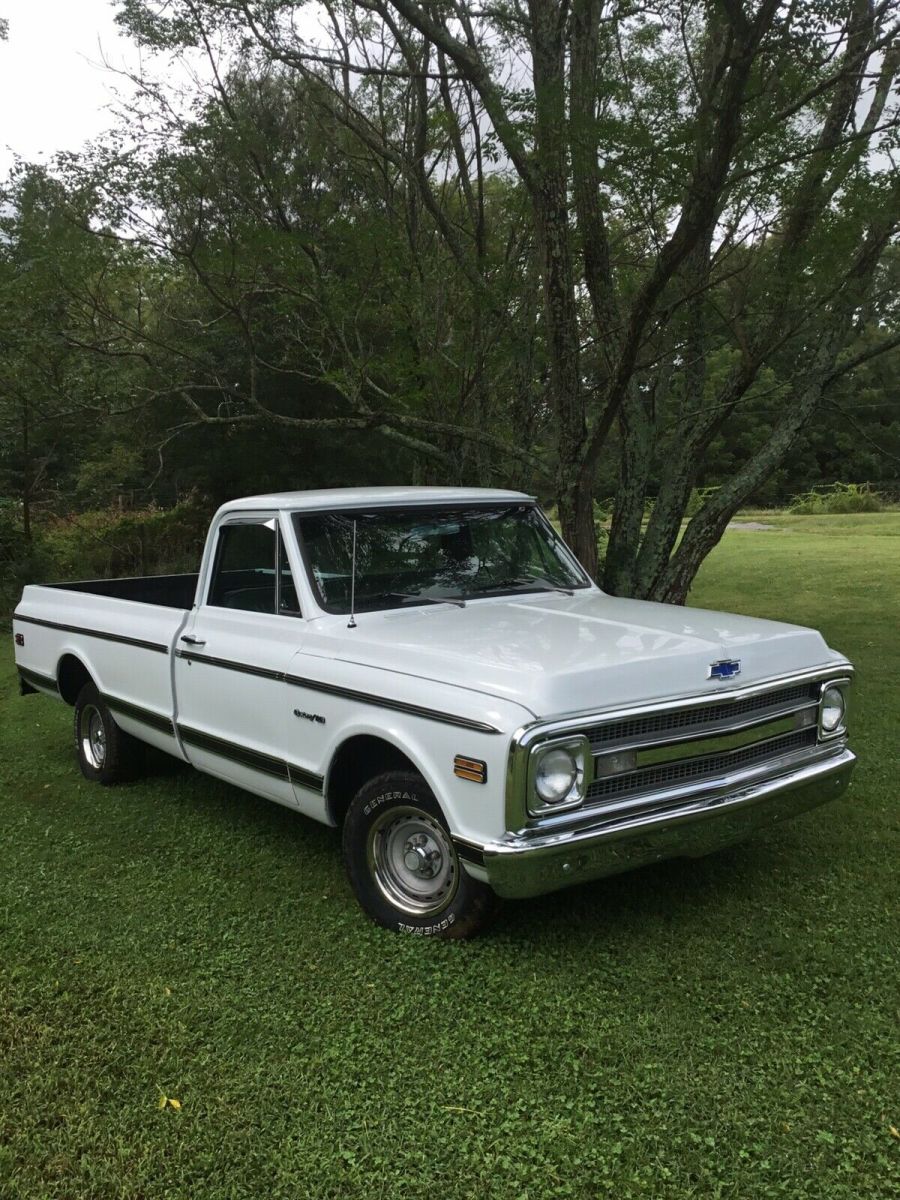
x=54 y=91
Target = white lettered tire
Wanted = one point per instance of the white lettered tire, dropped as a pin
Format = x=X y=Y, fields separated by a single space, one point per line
x=403 y=866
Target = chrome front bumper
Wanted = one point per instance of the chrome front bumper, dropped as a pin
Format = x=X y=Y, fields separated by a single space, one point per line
x=533 y=862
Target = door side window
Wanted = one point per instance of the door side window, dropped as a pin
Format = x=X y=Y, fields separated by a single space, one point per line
x=244 y=574
x=252 y=572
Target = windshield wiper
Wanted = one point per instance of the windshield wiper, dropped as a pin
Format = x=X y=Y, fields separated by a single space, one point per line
x=530 y=581
x=551 y=587
x=428 y=599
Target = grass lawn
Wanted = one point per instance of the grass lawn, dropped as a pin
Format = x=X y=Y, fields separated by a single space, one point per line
x=719 y=1028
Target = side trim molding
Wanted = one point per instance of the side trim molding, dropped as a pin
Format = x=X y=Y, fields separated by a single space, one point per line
x=304 y=778
x=145 y=716
x=331 y=689
x=227 y=665
x=469 y=851
x=36 y=679
x=245 y=756
x=416 y=710
x=95 y=633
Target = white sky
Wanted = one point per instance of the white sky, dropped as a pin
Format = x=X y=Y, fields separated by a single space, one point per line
x=54 y=90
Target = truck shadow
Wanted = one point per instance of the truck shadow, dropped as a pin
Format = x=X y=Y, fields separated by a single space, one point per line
x=734 y=886
x=745 y=888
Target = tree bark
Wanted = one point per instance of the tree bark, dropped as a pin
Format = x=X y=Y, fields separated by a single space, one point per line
x=26 y=472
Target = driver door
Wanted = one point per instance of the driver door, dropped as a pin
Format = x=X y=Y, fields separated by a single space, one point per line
x=231 y=697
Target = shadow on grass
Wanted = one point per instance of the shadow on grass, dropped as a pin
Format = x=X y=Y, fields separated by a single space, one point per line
x=231 y=805
x=662 y=890
x=674 y=895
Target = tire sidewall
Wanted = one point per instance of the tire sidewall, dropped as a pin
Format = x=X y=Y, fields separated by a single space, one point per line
x=467 y=908
x=112 y=770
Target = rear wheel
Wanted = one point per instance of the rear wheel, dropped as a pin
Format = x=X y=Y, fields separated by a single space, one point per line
x=402 y=863
x=106 y=754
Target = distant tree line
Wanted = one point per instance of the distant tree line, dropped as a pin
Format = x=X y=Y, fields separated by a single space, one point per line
x=593 y=249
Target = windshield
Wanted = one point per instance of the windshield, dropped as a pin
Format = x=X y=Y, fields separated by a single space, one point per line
x=417 y=555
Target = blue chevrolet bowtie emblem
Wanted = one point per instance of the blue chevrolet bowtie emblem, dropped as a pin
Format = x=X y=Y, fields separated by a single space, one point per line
x=725 y=668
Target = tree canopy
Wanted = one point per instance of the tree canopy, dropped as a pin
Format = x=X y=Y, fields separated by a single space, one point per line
x=640 y=256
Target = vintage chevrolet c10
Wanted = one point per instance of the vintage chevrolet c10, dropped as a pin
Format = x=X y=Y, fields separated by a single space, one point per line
x=431 y=670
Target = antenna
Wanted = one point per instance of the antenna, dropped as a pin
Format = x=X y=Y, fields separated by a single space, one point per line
x=351 y=624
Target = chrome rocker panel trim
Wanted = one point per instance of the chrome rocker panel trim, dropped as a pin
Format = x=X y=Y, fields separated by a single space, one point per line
x=530 y=864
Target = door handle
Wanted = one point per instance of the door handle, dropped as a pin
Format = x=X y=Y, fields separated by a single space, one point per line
x=192 y=641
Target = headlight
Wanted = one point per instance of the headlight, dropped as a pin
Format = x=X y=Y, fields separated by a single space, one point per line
x=832 y=709
x=557 y=771
x=559 y=774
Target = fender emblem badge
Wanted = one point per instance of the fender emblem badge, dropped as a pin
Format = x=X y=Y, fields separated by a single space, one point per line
x=314 y=717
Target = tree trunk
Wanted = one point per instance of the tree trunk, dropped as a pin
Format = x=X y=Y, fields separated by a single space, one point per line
x=628 y=511
x=26 y=473
x=549 y=198
x=576 y=517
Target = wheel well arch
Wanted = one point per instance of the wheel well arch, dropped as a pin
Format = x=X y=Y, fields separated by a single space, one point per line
x=71 y=676
x=356 y=761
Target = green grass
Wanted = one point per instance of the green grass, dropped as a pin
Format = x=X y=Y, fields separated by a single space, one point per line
x=883 y=524
x=720 y=1028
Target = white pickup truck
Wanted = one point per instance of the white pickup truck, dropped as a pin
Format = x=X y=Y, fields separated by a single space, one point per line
x=432 y=670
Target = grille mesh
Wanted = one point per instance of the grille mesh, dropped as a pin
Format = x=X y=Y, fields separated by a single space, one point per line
x=709 y=715
x=708 y=766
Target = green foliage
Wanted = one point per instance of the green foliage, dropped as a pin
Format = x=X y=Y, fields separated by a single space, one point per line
x=103 y=543
x=266 y=294
x=99 y=544
x=709 y=1029
x=22 y=561
x=838 y=498
x=698 y=497
x=104 y=476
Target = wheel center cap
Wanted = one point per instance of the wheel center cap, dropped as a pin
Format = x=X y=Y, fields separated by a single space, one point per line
x=415 y=858
x=421 y=857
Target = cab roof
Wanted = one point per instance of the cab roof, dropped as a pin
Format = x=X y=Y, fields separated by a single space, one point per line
x=371 y=497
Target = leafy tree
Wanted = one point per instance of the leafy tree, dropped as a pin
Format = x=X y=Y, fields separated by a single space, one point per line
x=587 y=248
x=51 y=398
x=289 y=280
x=698 y=176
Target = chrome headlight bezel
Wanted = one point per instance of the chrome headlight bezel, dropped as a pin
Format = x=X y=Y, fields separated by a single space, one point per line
x=579 y=750
x=839 y=687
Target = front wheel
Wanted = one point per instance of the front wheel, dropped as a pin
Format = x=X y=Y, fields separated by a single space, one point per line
x=402 y=863
x=106 y=753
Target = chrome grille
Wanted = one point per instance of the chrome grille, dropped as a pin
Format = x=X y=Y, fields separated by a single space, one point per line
x=706 y=767
x=707 y=716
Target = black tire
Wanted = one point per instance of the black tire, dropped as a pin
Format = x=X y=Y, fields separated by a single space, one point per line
x=106 y=754
x=394 y=816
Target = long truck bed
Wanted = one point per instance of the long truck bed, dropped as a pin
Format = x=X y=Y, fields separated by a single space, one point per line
x=170 y=591
x=92 y=621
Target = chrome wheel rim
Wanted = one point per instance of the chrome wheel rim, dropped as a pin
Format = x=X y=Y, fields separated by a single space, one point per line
x=412 y=861
x=92 y=735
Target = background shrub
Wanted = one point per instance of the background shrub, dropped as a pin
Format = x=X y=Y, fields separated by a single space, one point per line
x=839 y=498
x=100 y=544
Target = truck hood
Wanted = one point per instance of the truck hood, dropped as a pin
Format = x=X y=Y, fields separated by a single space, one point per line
x=553 y=653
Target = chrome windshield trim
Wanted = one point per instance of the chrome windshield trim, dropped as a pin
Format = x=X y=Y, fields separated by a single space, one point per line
x=298 y=515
